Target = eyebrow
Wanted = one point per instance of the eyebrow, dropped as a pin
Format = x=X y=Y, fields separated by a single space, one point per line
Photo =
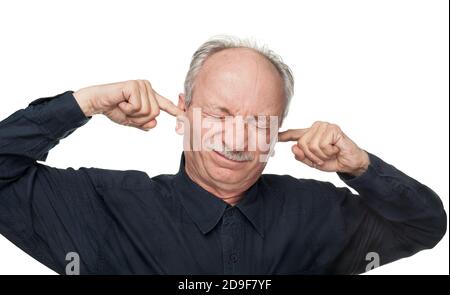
x=226 y=111
x=221 y=109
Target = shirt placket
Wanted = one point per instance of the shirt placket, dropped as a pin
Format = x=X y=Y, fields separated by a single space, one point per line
x=231 y=236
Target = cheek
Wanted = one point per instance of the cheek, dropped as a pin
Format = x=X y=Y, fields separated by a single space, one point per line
x=201 y=132
x=264 y=139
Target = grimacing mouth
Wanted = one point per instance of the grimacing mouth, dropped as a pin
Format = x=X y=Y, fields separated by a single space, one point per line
x=235 y=156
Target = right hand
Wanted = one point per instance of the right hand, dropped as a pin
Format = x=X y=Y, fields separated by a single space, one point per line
x=132 y=103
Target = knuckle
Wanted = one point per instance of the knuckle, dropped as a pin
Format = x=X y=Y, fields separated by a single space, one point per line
x=147 y=111
x=311 y=155
x=141 y=84
x=335 y=127
x=147 y=82
x=134 y=90
x=134 y=107
x=155 y=112
x=303 y=146
x=302 y=143
x=314 y=148
x=134 y=84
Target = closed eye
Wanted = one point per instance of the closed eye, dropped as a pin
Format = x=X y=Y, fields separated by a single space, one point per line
x=213 y=116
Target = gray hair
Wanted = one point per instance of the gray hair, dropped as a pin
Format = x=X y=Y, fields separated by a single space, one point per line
x=220 y=43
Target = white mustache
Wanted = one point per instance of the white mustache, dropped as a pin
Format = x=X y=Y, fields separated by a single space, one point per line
x=239 y=156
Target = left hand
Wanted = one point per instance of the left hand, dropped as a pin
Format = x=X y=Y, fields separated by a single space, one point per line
x=325 y=147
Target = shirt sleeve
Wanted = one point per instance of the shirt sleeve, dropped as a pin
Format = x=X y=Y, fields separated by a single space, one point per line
x=48 y=212
x=393 y=216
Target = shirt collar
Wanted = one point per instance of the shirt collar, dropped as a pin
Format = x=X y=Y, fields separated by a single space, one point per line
x=206 y=209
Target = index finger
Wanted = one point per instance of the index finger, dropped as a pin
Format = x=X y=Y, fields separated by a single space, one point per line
x=291 y=134
x=168 y=106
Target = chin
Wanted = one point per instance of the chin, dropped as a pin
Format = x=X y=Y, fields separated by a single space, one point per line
x=227 y=175
x=222 y=171
x=233 y=176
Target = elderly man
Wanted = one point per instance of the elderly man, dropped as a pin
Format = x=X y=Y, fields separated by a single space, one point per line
x=219 y=214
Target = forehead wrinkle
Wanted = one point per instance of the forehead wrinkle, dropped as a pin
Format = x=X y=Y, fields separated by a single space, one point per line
x=217 y=102
x=226 y=66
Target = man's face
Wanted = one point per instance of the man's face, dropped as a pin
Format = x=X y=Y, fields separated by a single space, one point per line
x=235 y=93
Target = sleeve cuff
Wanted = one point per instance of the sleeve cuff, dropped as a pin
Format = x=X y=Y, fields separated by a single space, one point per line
x=370 y=178
x=59 y=115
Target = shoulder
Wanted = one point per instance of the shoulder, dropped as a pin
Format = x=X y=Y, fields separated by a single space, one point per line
x=126 y=179
x=303 y=191
x=132 y=189
x=287 y=183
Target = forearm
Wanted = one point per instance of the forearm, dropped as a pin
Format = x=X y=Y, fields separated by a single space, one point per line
x=401 y=200
x=393 y=217
x=29 y=134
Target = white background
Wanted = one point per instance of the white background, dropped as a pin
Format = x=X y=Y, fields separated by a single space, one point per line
x=378 y=69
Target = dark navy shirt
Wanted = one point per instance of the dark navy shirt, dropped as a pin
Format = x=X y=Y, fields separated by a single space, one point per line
x=125 y=222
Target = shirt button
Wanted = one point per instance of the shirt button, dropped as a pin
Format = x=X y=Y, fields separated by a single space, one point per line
x=233 y=258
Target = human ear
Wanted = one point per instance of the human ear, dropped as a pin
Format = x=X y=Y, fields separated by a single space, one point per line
x=179 y=128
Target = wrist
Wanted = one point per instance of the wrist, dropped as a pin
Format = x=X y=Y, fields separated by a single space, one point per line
x=363 y=166
x=84 y=101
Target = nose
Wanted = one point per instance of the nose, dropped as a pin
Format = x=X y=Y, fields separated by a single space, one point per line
x=236 y=134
